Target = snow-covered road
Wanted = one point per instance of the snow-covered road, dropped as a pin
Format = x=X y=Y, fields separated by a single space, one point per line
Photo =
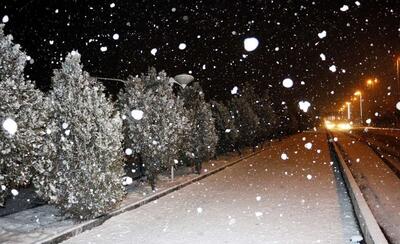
x=263 y=199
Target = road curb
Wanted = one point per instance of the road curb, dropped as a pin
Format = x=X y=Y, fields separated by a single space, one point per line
x=369 y=226
x=59 y=237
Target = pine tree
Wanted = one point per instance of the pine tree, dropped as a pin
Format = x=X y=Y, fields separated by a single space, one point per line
x=262 y=106
x=287 y=121
x=246 y=121
x=23 y=118
x=203 y=136
x=267 y=116
x=154 y=122
x=225 y=127
x=85 y=178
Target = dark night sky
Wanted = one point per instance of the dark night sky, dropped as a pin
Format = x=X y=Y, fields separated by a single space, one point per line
x=363 y=41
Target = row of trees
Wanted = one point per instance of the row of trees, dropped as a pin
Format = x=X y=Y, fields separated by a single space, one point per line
x=72 y=144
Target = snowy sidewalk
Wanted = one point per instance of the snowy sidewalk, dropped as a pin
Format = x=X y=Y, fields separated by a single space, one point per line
x=44 y=223
x=263 y=199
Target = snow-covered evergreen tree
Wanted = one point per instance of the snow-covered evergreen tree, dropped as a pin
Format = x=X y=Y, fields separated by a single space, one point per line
x=204 y=136
x=154 y=122
x=262 y=106
x=246 y=121
x=267 y=116
x=225 y=127
x=287 y=121
x=23 y=118
x=85 y=178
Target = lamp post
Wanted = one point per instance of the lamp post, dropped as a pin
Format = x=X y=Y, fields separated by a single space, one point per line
x=182 y=80
x=348 y=111
x=398 y=75
x=358 y=93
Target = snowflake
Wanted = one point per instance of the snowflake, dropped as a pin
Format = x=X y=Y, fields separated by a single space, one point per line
x=322 y=34
x=287 y=82
x=250 y=44
x=234 y=90
x=137 y=114
x=10 y=126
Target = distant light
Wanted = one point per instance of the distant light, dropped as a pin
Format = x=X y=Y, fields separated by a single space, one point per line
x=173 y=10
x=398 y=105
x=329 y=125
x=287 y=83
x=368 y=121
x=357 y=3
x=284 y=156
x=332 y=68
x=112 y=5
x=115 y=36
x=5 y=19
x=103 y=49
x=182 y=46
x=153 y=51
x=322 y=56
x=309 y=177
x=250 y=44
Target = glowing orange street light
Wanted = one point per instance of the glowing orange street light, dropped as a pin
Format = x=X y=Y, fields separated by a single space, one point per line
x=372 y=82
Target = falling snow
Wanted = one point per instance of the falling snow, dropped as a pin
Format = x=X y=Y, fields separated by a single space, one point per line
x=332 y=68
x=137 y=114
x=10 y=126
x=250 y=44
x=182 y=46
x=322 y=34
x=5 y=19
x=234 y=90
x=287 y=83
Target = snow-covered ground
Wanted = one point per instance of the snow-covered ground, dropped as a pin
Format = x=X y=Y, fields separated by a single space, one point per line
x=380 y=186
x=46 y=222
x=265 y=199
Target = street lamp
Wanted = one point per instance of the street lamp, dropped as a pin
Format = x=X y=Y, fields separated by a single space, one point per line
x=184 y=79
x=348 y=111
x=358 y=93
x=398 y=75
